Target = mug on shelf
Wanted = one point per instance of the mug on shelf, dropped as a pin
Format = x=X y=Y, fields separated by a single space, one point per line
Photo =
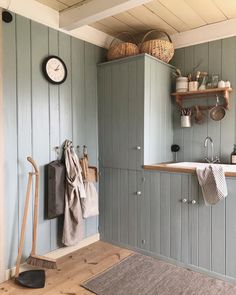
x=182 y=84
x=193 y=85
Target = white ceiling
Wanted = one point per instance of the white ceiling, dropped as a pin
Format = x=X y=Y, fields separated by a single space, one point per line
x=173 y=16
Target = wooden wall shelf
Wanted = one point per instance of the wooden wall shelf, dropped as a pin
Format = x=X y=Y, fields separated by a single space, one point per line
x=181 y=96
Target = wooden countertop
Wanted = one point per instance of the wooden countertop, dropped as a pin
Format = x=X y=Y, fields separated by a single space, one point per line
x=179 y=169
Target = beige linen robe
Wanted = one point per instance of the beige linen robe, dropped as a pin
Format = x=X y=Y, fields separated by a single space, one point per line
x=73 y=220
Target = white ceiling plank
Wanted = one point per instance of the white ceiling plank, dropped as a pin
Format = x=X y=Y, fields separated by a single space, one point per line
x=183 y=11
x=207 y=10
x=151 y=20
x=167 y=15
x=116 y=25
x=228 y=7
x=54 y=4
x=95 y=11
x=216 y=31
x=72 y=2
x=132 y=21
x=101 y=27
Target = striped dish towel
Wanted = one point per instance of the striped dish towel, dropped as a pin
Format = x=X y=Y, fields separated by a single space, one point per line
x=213 y=183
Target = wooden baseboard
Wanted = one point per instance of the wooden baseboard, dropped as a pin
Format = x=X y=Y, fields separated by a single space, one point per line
x=9 y=273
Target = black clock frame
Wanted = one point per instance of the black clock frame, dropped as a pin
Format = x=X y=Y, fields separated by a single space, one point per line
x=44 y=64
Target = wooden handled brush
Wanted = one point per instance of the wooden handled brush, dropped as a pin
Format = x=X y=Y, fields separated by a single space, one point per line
x=34 y=259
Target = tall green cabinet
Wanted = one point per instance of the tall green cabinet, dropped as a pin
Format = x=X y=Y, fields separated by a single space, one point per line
x=135 y=112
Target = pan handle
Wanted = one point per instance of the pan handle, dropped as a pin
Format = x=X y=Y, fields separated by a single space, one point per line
x=34 y=164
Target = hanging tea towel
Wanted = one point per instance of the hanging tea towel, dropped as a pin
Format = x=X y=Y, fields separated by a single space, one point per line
x=73 y=220
x=213 y=184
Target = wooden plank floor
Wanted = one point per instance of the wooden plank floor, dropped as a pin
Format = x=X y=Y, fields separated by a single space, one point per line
x=72 y=270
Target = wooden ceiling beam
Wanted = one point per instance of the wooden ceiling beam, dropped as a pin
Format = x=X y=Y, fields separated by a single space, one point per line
x=94 y=11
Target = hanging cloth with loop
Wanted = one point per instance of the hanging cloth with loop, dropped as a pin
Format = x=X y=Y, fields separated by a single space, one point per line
x=75 y=191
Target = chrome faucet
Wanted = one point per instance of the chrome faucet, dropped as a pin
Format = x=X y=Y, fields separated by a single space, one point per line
x=212 y=160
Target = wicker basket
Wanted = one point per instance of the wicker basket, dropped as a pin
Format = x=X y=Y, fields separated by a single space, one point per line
x=120 y=49
x=161 y=49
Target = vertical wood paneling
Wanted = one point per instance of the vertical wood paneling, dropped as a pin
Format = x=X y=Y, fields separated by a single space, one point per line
x=124 y=206
x=230 y=229
x=140 y=114
x=107 y=114
x=147 y=108
x=158 y=135
x=204 y=233
x=10 y=136
x=40 y=119
x=185 y=219
x=78 y=92
x=117 y=136
x=123 y=113
x=218 y=238
x=228 y=129
x=118 y=204
x=165 y=214
x=24 y=119
x=54 y=121
x=143 y=185
x=215 y=65
x=102 y=203
x=40 y=116
x=133 y=116
x=108 y=203
x=175 y=216
x=155 y=212
x=65 y=90
x=78 y=96
x=133 y=209
x=179 y=62
x=215 y=57
x=200 y=130
x=188 y=132
x=91 y=119
x=193 y=220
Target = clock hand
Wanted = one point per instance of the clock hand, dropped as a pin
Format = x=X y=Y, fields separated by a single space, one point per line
x=57 y=68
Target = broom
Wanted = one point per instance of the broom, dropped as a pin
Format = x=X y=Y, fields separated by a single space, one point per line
x=34 y=259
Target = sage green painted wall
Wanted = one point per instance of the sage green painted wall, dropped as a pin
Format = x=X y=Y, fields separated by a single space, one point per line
x=217 y=57
x=39 y=116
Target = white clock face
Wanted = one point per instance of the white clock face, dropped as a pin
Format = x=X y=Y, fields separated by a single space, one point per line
x=55 y=70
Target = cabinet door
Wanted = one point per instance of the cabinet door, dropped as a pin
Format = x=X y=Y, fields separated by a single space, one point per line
x=121 y=95
x=176 y=203
x=194 y=203
x=143 y=194
x=174 y=194
x=136 y=115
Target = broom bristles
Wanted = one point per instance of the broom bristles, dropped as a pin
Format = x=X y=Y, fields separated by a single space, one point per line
x=41 y=261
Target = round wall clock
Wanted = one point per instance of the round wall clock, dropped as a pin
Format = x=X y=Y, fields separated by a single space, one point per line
x=54 y=69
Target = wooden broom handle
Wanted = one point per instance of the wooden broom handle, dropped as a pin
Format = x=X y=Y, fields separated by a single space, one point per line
x=36 y=205
x=23 y=227
x=33 y=164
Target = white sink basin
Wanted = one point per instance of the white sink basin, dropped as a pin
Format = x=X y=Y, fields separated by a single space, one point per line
x=227 y=167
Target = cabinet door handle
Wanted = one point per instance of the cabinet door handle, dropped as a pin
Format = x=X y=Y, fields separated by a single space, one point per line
x=138 y=147
x=194 y=202
x=185 y=201
x=138 y=193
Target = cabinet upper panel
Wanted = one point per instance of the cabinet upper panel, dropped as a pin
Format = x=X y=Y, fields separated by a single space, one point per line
x=135 y=124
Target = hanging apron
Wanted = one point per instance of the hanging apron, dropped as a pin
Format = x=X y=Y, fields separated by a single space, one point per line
x=73 y=220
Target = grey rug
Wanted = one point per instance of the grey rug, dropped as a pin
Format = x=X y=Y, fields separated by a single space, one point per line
x=142 y=275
